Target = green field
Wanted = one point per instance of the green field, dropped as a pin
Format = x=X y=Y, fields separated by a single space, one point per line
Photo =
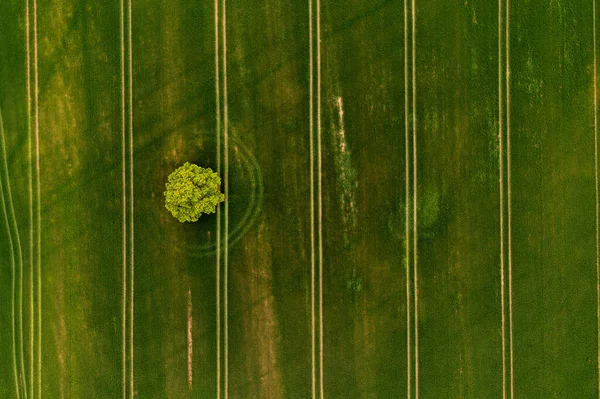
x=411 y=199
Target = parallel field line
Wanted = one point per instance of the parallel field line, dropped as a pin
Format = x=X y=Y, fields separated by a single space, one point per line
x=415 y=233
x=218 y=266
x=407 y=210
x=131 y=202
x=190 y=342
x=597 y=194
x=124 y=209
x=312 y=203
x=510 y=319
x=30 y=192
x=320 y=194
x=38 y=198
x=226 y=210
x=501 y=183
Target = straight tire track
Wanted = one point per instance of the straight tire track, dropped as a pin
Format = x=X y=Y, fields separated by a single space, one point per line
x=38 y=198
x=501 y=184
x=226 y=232
x=218 y=267
x=131 y=202
x=30 y=193
x=312 y=203
x=510 y=319
x=320 y=194
x=124 y=200
x=415 y=233
x=189 y=340
x=407 y=201
x=597 y=194
x=14 y=278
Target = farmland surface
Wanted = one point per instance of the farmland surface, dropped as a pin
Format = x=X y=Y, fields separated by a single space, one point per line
x=412 y=205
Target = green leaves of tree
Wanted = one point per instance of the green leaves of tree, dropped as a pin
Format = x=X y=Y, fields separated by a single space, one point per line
x=192 y=191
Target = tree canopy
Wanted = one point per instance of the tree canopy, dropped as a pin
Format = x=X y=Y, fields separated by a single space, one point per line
x=192 y=191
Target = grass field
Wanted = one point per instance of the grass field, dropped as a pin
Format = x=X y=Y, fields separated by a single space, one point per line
x=412 y=205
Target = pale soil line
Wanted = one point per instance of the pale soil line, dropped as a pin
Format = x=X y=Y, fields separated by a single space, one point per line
x=124 y=200
x=14 y=276
x=312 y=206
x=415 y=233
x=501 y=167
x=19 y=251
x=189 y=339
x=407 y=200
x=320 y=194
x=226 y=232
x=597 y=194
x=131 y=204
x=218 y=267
x=38 y=197
x=31 y=222
x=510 y=319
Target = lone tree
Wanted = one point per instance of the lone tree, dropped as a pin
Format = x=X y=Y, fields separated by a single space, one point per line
x=192 y=191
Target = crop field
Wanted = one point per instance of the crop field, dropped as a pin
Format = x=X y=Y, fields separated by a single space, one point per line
x=412 y=199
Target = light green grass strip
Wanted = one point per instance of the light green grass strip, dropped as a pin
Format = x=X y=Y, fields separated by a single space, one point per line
x=14 y=267
x=19 y=250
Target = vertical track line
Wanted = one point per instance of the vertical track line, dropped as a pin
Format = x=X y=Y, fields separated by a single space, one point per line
x=415 y=233
x=218 y=266
x=19 y=252
x=320 y=193
x=226 y=175
x=14 y=289
x=407 y=201
x=189 y=340
x=510 y=320
x=597 y=194
x=38 y=197
x=30 y=193
x=124 y=200
x=131 y=201
x=501 y=189
x=312 y=205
